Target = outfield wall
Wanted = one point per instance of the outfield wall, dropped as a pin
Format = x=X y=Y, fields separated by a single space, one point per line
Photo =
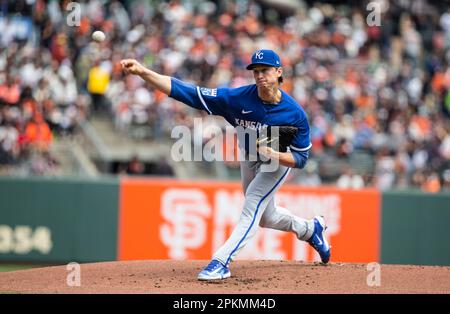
x=76 y=220
x=58 y=220
x=415 y=228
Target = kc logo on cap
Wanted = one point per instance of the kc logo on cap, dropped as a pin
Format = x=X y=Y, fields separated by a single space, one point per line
x=265 y=57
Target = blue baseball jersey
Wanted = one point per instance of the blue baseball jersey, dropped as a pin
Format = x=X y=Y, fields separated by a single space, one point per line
x=242 y=107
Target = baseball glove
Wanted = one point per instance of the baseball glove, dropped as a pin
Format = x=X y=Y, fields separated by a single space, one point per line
x=277 y=137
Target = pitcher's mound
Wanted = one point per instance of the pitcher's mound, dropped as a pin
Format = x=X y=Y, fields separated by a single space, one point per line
x=167 y=276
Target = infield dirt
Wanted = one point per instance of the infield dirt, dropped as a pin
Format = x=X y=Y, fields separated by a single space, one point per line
x=167 y=276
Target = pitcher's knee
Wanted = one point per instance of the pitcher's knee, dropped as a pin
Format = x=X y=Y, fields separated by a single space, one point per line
x=267 y=222
x=263 y=223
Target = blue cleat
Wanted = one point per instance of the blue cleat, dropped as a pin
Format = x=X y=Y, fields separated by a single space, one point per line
x=214 y=271
x=318 y=241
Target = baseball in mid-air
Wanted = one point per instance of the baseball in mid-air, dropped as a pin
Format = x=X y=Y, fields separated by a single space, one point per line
x=98 y=36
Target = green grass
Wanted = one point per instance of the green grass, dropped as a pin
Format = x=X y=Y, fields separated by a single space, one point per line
x=9 y=292
x=13 y=267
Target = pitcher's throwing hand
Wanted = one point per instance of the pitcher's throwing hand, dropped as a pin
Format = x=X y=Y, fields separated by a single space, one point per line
x=131 y=66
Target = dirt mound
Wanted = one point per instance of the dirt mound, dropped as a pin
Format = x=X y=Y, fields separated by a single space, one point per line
x=166 y=276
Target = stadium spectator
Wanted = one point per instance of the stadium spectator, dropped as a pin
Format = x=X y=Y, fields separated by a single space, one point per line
x=10 y=91
x=135 y=166
x=350 y=180
x=97 y=84
x=38 y=134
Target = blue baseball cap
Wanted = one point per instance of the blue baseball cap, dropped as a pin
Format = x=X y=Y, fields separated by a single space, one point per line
x=265 y=57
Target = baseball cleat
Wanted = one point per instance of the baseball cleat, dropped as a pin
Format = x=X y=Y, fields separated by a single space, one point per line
x=318 y=241
x=214 y=271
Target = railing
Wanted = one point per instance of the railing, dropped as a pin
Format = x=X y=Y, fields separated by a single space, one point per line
x=95 y=140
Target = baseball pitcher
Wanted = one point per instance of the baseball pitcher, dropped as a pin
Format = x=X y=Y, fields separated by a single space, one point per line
x=254 y=107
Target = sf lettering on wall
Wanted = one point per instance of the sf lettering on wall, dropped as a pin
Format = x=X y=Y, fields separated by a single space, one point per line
x=168 y=219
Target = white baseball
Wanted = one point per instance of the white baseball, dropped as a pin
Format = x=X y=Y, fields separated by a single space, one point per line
x=98 y=36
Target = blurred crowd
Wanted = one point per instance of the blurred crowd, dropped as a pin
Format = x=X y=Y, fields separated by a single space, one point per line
x=380 y=91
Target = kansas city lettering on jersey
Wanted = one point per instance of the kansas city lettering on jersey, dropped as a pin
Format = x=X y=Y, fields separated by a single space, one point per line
x=250 y=124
